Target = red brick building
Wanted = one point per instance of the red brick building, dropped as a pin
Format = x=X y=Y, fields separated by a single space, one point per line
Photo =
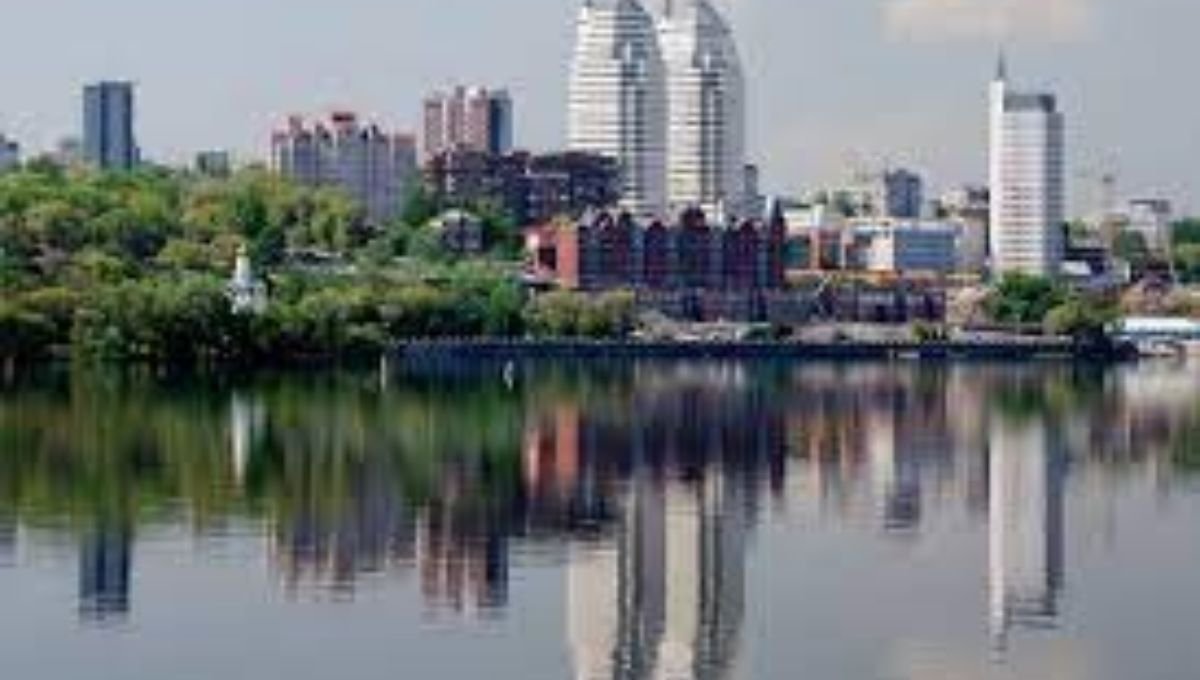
x=691 y=268
x=605 y=251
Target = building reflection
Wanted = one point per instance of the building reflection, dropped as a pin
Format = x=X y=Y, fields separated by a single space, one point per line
x=1027 y=469
x=105 y=566
x=646 y=482
x=247 y=424
x=8 y=540
x=887 y=443
x=664 y=597
x=668 y=600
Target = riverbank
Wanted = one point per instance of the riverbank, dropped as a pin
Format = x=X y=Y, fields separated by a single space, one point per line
x=459 y=350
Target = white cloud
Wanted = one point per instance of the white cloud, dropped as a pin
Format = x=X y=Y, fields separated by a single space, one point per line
x=996 y=20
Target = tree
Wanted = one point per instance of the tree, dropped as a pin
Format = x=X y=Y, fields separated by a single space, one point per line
x=1024 y=299
x=1187 y=261
x=1084 y=318
x=419 y=206
x=1131 y=246
x=1186 y=231
x=570 y=314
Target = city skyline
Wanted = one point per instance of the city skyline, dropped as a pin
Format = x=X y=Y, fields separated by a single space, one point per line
x=813 y=116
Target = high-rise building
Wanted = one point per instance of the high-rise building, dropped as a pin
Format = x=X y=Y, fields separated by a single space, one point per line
x=970 y=208
x=705 y=109
x=903 y=194
x=500 y=122
x=468 y=119
x=10 y=153
x=372 y=166
x=1027 y=181
x=531 y=188
x=109 y=142
x=754 y=204
x=617 y=98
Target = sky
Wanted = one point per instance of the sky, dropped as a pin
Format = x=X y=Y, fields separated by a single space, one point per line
x=833 y=85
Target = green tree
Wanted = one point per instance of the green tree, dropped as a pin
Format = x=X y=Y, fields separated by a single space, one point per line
x=1131 y=246
x=1187 y=261
x=1186 y=231
x=419 y=206
x=1023 y=299
x=1082 y=317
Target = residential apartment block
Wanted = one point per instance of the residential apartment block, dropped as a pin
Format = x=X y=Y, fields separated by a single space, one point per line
x=373 y=166
x=468 y=119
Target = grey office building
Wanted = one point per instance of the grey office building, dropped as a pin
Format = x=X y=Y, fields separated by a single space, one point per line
x=108 y=138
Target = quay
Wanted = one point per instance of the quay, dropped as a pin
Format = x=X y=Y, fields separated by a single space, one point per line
x=488 y=350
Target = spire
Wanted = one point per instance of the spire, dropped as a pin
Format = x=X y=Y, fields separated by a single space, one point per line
x=1002 y=66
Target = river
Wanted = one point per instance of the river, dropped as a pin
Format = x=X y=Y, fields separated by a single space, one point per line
x=625 y=520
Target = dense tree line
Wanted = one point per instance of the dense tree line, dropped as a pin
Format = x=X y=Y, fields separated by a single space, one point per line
x=135 y=265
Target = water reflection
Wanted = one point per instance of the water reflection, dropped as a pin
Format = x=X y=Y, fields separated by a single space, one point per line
x=646 y=484
x=1026 y=514
x=105 y=562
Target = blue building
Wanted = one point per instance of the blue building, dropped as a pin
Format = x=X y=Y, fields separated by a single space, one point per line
x=108 y=121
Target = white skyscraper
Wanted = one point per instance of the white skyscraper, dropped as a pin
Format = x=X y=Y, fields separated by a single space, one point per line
x=617 y=101
x=706 y=109
x=1027 y=184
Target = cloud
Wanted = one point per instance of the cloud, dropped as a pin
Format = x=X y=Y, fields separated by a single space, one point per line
x=995 y=20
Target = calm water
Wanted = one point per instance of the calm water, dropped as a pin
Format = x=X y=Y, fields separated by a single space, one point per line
x=654 y=521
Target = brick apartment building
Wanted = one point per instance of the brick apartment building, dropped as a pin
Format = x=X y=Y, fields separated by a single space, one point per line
x=689 y=269
x=533 y=188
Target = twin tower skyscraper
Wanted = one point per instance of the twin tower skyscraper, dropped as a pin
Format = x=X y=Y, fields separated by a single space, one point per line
x=665 y=96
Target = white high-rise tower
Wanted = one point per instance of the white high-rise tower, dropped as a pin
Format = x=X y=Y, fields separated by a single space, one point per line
x=706 y=109
x=1026 y=177
x=617 y=101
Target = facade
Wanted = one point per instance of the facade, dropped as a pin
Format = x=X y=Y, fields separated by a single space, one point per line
x=1151 y=218
x=754 y=203
x=1026 y=180
x=468 y=118
x=214 y=163
x=10 y=153
x=970 y=208
x=705 y=110
x=109 y=142
x=606 y=251
x=617 y=99
x=899 y=248
x=903 y=194
x=910 y=248
x=372 y=166
x=531 y=188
